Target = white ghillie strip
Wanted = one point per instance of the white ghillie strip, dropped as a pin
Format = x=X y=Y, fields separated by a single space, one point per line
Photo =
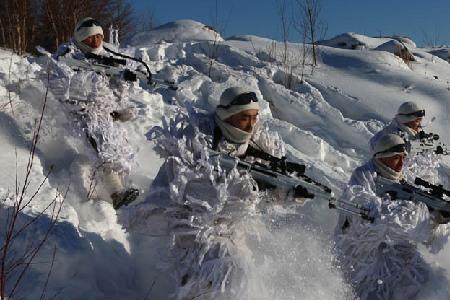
x=424 y=166
x=88 y=99
x=381 y=259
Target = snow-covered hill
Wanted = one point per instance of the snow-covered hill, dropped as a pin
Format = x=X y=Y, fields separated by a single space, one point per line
x=178 y=31
x=325 y=120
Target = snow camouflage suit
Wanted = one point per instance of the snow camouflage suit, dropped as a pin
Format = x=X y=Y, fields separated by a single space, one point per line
x=381 y=259
x=202 y=217
x=89 y=99
x=424 y=165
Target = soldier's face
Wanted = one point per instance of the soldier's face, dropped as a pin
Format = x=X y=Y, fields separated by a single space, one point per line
x=415 y=125
x=245 y=120
x=94 y=41
x=394 y=162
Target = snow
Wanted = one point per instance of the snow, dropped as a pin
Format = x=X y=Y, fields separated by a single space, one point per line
x=441 y=52
x=249 y=38
x=351 y=40
x=178 y=31
x=326 y=122
x=392 y=46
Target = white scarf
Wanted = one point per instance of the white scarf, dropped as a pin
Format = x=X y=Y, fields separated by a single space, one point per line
x=387 y=172
x=411 y=132
x=231 y=133
x=85 y=48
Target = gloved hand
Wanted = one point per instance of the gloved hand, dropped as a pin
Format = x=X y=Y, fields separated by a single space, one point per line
x=122 y=115
x=439 y=216
x=302 y=192
x=129 y=76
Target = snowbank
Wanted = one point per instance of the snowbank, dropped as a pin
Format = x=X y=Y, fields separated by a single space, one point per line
x=178 y=31
x=351 y=40
x=397 y=48
x=442 y=52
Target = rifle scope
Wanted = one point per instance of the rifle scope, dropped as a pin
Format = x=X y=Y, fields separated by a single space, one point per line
x=435 y=190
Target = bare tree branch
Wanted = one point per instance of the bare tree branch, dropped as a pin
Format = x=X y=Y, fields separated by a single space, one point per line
x=15 y=263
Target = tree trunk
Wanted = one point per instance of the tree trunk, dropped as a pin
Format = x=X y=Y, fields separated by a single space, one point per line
x=312 y=34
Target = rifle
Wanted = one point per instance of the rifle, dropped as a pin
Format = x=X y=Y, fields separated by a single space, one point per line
x=427 y=142
x=106 y=60
x=114 y=67
x=287 y=168
x=300 y=185
x=433 y=197
x=294 y=181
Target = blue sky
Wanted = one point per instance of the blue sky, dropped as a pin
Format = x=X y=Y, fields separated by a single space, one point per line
x=419 y=19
